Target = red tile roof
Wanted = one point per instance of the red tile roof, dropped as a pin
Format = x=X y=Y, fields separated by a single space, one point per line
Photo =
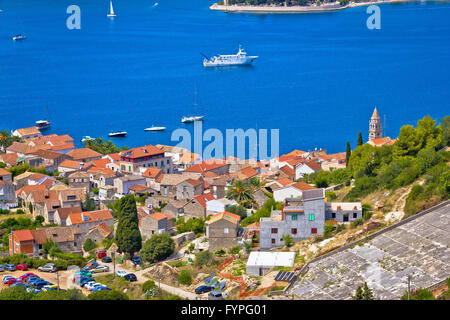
x=4 y=172
x=206 y=166
x=140 y=152
x=71 y=164
x=284 y=181
x=28 y=189
x=203 y=198
x=83 y=153
x=99 y=215
x=101 y=163
x=23 y=235
x=313 y=165
x=303 y=186
x=151 y=172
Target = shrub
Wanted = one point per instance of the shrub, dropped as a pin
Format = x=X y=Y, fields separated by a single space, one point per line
x=234 y=250
x=147 y=285
x=89 y=245
x=203 y=258
x=184 y=277
x=330 y=195
x=288 y=241
x=220 y=252
x=108 y=295
x=356 y=223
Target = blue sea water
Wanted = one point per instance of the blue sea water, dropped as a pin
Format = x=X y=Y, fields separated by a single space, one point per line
x=318 y=77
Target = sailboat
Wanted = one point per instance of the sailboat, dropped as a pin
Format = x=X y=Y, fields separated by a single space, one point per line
x=111 y=10
x=191 y=119
x=43 y=124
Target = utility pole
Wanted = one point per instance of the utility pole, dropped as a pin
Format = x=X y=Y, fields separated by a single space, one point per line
x=409 y=286
x=113 y=255
x=57 y=278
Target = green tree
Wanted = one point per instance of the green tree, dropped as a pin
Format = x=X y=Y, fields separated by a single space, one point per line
x=147 y=285
x=288 y=241
x=240 y=192
x=6 y=139
x=420 y=294
x=88 y=204
x=103 y=147
x=360 y=140
x=239 y=210
x=363 y=293
x=15 y=293
x=445 y=127
x=128 y=237
x=157 y=248
x=89 y=245
x=203 y=258
x=348 y=153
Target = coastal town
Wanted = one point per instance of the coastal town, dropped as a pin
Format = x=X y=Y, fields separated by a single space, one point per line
x=160 y=222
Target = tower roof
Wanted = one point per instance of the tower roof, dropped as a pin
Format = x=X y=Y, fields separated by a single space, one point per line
x=375 y=114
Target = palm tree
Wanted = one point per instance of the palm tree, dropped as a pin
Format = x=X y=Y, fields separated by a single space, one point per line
x=240 y=192
x=3 y=138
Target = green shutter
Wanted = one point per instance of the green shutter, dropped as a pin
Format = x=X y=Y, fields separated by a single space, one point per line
x=311 y=217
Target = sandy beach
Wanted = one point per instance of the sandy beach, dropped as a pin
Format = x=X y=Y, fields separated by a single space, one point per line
x=297 y=9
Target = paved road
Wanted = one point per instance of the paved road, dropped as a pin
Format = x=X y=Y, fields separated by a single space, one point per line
x=419 y=247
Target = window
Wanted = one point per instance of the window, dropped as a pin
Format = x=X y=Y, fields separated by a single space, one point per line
x=313 y=230
x=294 y=217
x=129 y=168
x=311 y=217
x=226 y=230
x=294 y=230
x=273 y=241
x=333 y=215
x=355 y=215
x=274 y=230
x=74 y=244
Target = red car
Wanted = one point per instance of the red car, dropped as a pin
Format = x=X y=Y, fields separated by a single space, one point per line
x=22 y=267
x=13 y=280
x=25 y=276
x=101 y=254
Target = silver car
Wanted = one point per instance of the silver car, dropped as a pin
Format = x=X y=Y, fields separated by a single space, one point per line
x=49 y=267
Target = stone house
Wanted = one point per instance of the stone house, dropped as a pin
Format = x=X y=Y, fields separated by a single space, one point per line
x=300 y=218
x=88 y=219
x=222 y=231
x=188 y=210
x=147 y=157
x=99 y=232
x=30 y=242
x=291 y=191
x=5 y=175
x=307 y=167
x=343 y=211
x=50 y=159
x=219 y=186
x=84 y=155
x=123 y=184
x=61 y=214
x=156 y=223
x=189 y=188
x=80 y=179
x=7 y=195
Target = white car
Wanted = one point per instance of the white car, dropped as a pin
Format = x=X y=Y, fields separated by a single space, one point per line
x=100 y=269
x=121 y=273
x=6 y=276
x=91 y=285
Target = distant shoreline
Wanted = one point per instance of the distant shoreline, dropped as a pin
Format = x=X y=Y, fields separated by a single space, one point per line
x=298 y=9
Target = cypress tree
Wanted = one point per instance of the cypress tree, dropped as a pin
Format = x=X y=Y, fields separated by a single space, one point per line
x=360 y=140
x=348 y=153
x=128 y=237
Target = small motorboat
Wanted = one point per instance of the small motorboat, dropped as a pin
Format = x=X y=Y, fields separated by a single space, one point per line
x=87 y=138
x=153 y=128
x=191 y=119
x=117 y=134
x=19 y=37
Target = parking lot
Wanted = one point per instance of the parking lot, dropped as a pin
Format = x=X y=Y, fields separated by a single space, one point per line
x=419 y=248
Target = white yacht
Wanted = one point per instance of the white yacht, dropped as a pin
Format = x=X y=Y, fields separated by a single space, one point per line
x=222 y=60
x=111 y=10
x=19 y=37
x=154 y=128
x=117 y=134
x=191 y=119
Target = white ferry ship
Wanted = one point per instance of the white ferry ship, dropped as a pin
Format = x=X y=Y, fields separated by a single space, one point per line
x=240 y=58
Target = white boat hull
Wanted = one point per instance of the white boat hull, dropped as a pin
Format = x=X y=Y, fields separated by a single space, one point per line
x=155 y=129
x=246 y=61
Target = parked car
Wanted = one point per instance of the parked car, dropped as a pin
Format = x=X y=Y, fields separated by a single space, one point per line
x=106 y=259
x=40 y=284
x=12 y=280
x=22 y=267
x=101 y=254
x=83 y=282
x=20 y=284
x=121 y=273
x=25 y=276
x=215 y=295
x=33 y=279
x=6 y=277
x=50 y=287
x=203 y=289
x=130 y=277
x=10 y=267
x=100 y=269
x=90 y=265
x=99 y=288
x=136 y=260
x=83 y=273
x=2 y=268
x=49 y=267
